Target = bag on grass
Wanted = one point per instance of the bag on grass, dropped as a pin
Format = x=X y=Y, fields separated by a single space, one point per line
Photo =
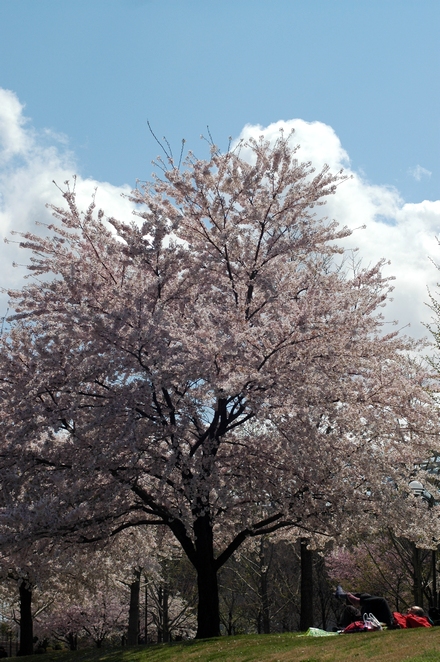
x=373 y=623
x=356 y=626
x=369 y=624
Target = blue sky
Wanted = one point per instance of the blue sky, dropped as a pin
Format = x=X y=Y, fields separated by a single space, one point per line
x=96 y=70
x=91 y=73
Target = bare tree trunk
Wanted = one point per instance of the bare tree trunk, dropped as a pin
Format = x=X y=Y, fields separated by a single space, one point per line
x=133 y=614
x=160 y=614
x=306 y=616
x=230 y=627
x=264 y=588
x=208 y=616
x=163 y=628
x=417 y=588
x=72 y=640
x=165 y=615
x=146 y=613
x=26 y=624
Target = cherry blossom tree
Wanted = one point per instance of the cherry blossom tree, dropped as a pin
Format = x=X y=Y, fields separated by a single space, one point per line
x=92 y=588
x=27 y=589
x=98 y=614
x=216 y=367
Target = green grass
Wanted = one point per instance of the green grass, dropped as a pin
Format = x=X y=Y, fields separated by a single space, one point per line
x=419 y=645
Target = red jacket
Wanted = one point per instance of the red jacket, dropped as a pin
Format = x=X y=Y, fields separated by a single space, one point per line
x=411 y=620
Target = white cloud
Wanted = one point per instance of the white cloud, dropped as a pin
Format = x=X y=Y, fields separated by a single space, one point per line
x=401 y=232
x=29 y=162
x=418 y=173
x=14 y=139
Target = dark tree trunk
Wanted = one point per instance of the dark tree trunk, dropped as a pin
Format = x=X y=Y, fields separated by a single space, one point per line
x=306 y=617
x=265 y=604
x=230 y=626
x=264 y=588
x=163 y=627
x=165 y=615
x=434 y=579
x=160 y=615
x=146 y=614
x=163 y=632
x=417 y=574
x=26 y=625
x=72 y=641
x=259 y=619
x=208 y=616
x=133 y=614
x=322 y=586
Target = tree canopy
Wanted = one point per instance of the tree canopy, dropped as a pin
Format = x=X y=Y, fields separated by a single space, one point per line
x=217 y=366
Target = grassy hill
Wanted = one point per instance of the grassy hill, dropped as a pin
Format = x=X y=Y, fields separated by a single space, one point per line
x=420 y=645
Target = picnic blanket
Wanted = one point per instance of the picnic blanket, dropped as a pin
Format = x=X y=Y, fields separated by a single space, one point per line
x=317 y=632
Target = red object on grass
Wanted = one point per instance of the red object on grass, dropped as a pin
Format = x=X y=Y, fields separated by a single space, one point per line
x=411 y=620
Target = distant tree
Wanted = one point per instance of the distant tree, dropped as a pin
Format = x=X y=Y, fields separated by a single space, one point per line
x=169 y=612
x=90 y=599
x=216 y=368
x=246 y=596
x=388 y=566
x=27 y=590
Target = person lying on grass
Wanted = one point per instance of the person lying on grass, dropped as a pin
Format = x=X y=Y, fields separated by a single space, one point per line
x=364 y=603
